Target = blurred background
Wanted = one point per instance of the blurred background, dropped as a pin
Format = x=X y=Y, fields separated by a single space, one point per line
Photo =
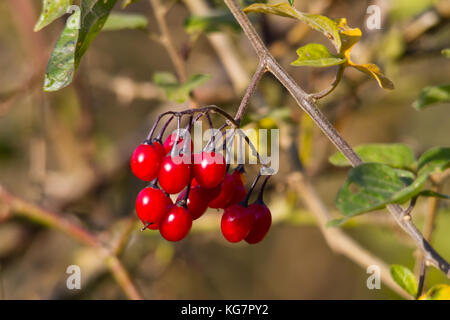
x=69 y=151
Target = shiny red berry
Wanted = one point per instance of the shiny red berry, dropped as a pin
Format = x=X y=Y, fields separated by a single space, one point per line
x=170 y=141
x=209 y=169
x=145 y=162
x=197 y=201
x=225 y=195
x=262 y=221
x=239 y=191
x=151 y=205
x=236 y=223
x=176 y=224
x=174 y=174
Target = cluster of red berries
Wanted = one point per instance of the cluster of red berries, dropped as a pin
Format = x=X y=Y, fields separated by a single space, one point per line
x=201 y=183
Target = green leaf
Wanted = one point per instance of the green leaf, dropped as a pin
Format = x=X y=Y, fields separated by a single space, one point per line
x=446 y=52
x=431 y=193
x=434 y=160
x=120 y=21
x=291 y=2
x=438 y=292
x=431 y=96
x=316 y=55
x=372 y=186
x=210 y=23
x=317 y=22
x=174 y=90
x=126 y=3
x=79 y=32
x=51 y=10
x=404 y=278
x=394 y=155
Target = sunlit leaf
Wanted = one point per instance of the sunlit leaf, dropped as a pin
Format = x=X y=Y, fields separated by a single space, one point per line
x=80 y=30
x=316 y=55
x=320 y=23
x=126 y=3
x=434 y=160
x=446 y=53
x=210 y=23
x=291 y=2
x=120 y=21
x=395 y=155
x=371 y=186
x=175 y=91
x=432 y=96
x=438 y=292
x=434 y=194
x=404 y=278
x=51 y=10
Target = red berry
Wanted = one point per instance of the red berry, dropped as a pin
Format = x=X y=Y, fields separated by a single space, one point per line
x=225 y=195
x=145 y=162
x=170 y=141
x=175 y=225
x=151 y=206
x=209 y=169
x=236 y=223
x=174 y=174
x=194 y=182
x=239 y=192
x=262 y=221
x=197 y=201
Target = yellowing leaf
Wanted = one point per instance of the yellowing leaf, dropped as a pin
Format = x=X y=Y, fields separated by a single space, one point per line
x=316 y=55
x=438 y=292
x=375 y=72
x=350 y=37
x=126 y=3
x=320 y=23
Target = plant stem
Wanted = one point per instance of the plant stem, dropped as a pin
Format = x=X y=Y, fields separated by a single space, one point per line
x=56 y=221
x=307 y=103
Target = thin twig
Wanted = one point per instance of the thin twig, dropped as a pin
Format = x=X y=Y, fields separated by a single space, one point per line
x=422 y=273
x=308 y=104
x=58 y=222
x=250 y=91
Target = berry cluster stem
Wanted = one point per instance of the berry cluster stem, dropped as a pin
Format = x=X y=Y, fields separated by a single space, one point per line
x=308 y=104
